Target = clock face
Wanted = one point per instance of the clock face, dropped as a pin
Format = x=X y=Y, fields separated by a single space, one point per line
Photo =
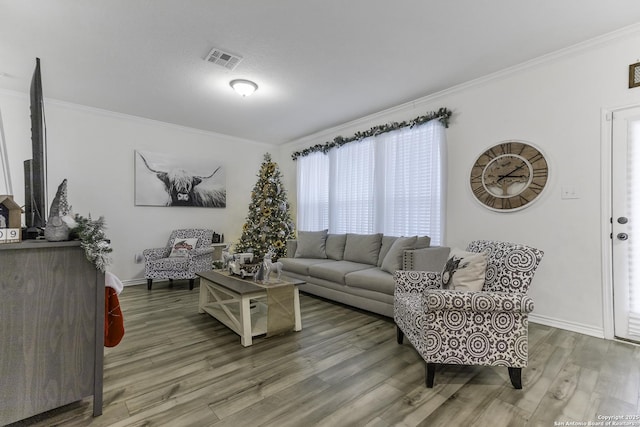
x=509 y=176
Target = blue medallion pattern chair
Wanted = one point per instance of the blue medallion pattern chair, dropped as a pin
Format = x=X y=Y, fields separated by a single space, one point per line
x=194 y=254
x=488 y=327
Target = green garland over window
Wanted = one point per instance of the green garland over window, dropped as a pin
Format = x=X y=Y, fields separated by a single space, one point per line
x=442 y=115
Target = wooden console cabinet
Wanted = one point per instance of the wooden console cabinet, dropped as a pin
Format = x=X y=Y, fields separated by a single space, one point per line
x=51 y=328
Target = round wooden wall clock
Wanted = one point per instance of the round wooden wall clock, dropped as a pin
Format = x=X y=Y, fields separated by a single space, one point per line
x=509 y=176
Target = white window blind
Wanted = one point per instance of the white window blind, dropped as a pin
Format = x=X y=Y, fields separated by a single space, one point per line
x=351 y=194
x=392 y=183
x=313 y=192
x=411 y=196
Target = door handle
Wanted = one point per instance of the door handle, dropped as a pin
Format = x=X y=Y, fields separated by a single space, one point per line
x=623 y=220
x=622 y=236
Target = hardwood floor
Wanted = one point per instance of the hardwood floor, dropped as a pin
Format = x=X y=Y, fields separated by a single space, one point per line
x=180 y=368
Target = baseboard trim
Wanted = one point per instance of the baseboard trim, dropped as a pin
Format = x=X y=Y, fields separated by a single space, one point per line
x=132 y=282
x=143 y=281
x=569 y=326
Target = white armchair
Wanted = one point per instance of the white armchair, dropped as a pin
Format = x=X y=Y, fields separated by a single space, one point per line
x=160 y=264
x=487 y=327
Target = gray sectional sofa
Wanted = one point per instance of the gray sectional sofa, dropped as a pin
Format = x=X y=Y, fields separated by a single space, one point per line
x=357 y=269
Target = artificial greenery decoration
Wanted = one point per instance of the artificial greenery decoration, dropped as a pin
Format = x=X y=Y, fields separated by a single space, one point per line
x=268 y=224
x=93 y=240
x=442 y=115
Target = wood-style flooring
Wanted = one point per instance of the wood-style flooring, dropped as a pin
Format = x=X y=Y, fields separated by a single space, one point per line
x=176 y=367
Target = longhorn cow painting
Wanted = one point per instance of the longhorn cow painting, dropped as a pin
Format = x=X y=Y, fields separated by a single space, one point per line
x=177 y=180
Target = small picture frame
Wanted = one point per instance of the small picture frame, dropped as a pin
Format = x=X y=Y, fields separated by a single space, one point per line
x=634 y=75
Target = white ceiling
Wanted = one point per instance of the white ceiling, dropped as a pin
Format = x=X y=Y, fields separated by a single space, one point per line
x=319 y=63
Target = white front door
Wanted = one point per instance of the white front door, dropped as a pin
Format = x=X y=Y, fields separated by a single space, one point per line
x=625 y=237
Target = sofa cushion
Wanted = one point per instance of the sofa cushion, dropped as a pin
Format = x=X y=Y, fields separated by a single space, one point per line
x=423 y=242
x=300 y=265
x=426 y=259
x=335 y=246
x=393 y=259
x=311 y=244
x=335 y=271
x=387 y=241
x=372 y=279
x=363 y=248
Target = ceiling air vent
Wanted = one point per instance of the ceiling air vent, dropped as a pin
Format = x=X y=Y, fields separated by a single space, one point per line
x=223 y=59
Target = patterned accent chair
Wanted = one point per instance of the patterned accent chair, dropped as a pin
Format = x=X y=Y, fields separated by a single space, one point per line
x=159 y=265
x=489 y=327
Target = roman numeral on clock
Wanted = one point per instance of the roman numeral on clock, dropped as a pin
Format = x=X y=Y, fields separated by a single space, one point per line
x=476 y=179
x=540 y=172
x=478 y=191
x=489 y=200
x=535 y=187
x=535 y=158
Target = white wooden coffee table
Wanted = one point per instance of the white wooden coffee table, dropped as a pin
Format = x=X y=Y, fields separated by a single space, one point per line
x=241 y=304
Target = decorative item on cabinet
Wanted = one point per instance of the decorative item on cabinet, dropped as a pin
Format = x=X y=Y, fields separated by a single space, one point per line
x=10 y=213
x=57 y=229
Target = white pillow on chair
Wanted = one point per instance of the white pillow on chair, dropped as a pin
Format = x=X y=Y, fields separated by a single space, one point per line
x=464 y=271
x=181 y=247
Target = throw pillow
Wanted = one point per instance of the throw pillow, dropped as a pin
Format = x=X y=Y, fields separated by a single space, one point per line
x=335 y=246
x=464 y=271
x=311 y=244
x=423 y=242
x=387 y=242
x=363 y=248
x=181 y=247
x=393 y=260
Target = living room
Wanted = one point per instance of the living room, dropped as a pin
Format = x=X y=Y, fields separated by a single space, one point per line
x=557 y=100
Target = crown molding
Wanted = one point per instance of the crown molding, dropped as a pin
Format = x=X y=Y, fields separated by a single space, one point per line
x=501 y=74
x=129 y=117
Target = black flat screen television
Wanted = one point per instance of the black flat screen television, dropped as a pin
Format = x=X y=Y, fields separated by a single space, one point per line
x=35 y=169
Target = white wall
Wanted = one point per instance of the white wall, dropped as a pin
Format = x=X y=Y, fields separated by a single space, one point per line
x=554 y=103
x=94 y=150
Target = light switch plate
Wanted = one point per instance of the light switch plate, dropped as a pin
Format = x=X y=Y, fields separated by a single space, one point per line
x=569 y=192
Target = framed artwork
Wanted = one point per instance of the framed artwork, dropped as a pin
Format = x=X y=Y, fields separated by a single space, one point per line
x=163 y=179
x=634 y=75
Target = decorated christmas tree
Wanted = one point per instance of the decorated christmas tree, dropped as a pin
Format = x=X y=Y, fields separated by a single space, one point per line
x=268 y=224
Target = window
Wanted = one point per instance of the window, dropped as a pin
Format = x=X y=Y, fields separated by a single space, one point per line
x=352 y=188
x=313 y=192
x=392 y=183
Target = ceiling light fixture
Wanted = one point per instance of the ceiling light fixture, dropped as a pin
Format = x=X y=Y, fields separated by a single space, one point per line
x=243 y=87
